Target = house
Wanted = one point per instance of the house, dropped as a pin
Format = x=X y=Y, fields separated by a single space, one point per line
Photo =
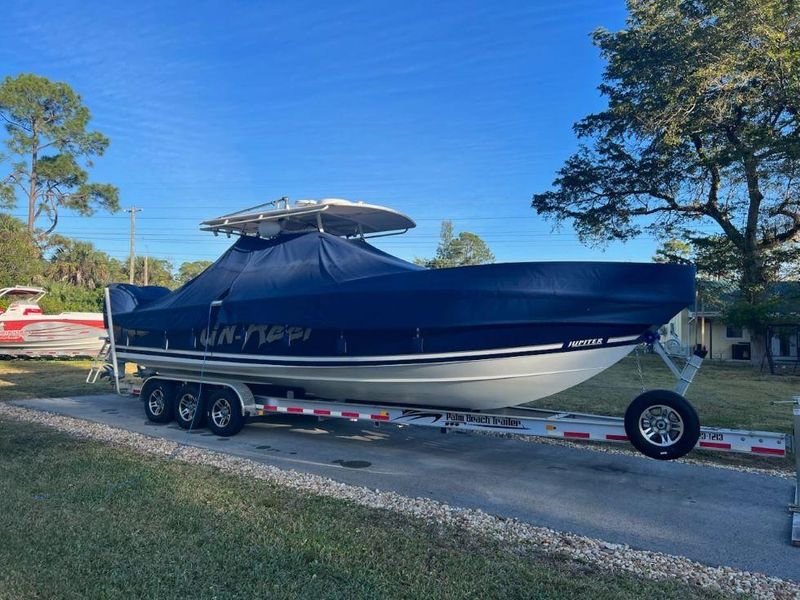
x=703 y=326
x=707 y=330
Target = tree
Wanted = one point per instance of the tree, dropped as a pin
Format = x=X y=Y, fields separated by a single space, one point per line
x=80 y=264
x=190 y=270
x=702 y=126
x=465 y=249
x=674 y=251
x=20 y=259
x=65 y=297
x=159 y=272
x=47 y=123
x=715 y=257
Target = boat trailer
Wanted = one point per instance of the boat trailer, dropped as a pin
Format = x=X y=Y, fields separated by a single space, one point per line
x=795 y=507
x=515 y=421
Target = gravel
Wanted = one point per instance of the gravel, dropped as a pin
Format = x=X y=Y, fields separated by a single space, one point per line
x=517 y=534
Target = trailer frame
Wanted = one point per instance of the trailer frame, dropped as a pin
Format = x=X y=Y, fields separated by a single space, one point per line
x=518 y=420
x=523 y=421
x=794 y=507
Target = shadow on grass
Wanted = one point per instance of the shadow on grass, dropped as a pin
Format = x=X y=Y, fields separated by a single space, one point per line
x=40 y=378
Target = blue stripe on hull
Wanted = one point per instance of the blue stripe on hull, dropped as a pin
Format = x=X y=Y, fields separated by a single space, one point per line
x=286 y=343
x=366 y=361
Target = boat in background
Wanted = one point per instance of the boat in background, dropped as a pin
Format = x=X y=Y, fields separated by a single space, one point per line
x=301 y=302
x=26 y=331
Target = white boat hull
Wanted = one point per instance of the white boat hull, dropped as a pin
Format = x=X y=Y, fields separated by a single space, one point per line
x=52 y=336
x=471 y=383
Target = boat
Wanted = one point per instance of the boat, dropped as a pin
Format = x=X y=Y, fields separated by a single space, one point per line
x=26 y=331
x=303 y=303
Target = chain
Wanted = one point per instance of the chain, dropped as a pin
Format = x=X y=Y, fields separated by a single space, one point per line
x=639 y=367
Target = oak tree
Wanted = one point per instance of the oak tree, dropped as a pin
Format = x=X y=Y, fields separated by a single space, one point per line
x=702 y=128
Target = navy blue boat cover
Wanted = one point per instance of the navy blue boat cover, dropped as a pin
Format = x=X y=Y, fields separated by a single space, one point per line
x=320 y=280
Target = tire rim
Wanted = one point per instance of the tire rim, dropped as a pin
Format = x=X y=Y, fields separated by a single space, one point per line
x=187 y=407
x=156 y=403
x=221 y=412
x=661 y=425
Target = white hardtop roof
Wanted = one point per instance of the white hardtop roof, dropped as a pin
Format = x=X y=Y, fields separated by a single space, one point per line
x=331 y=215
x=24 y=291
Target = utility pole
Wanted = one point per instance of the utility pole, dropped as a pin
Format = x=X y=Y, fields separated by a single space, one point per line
x=133 y=210
x=145 y=268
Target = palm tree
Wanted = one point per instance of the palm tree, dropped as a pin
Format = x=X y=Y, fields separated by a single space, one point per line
x=81 y=264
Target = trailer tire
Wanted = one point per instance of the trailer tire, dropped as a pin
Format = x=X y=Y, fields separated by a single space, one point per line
x=662 y=424
x=224 y=412
x=189 y=410
x=157 y=395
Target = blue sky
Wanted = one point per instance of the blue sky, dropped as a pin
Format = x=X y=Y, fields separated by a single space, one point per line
x=444 y=109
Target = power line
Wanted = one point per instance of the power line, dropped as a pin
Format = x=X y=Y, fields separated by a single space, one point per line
x=198 y=220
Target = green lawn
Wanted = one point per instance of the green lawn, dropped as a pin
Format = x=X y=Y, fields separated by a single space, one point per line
x=78 y=519
x=40 y=378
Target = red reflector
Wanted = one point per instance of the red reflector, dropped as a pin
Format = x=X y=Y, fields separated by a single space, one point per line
x=294 y=409
x=319 y=411
x=379 y=417
x=616 y=437
x=720 y=445
x=270 y=408
x=775 y=451
x=576 y=434
x=351 y=415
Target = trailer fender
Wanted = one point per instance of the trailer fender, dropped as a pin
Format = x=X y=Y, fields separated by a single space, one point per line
x=242 y=390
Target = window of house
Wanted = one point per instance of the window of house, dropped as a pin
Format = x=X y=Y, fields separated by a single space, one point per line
x=733 y=331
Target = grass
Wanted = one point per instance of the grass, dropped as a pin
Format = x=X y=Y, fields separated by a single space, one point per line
x=40 y=378
x=81 y=520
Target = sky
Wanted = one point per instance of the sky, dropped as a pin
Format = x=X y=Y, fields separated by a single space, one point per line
x=455 y=110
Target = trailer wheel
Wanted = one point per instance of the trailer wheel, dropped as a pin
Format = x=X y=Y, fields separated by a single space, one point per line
x=189 y=411
x=157 y=396
x=224 y=411
x=661 y=424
